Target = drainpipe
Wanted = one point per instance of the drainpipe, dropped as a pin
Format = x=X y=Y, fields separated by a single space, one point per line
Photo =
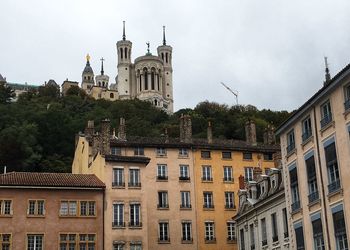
x=321 y=177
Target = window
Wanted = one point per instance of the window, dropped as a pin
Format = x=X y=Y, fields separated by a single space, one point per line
x=162 y=172
x=311 y=179
x=231 y=231
x=184 y=172
x=68 y=241
x=274 y=227
x=226 y=155
x=183 y=152
x=163 y=199
x=87 y=241
x=135 y=220
x=263 y=232
x=299 y=236
x=208 y=200
x=339 y=228
x=268 y=156
x=229 y=200
x=290 y=141
x=247 y=156
x=332 y=166
x=5 y=207
x=134 y=178
x=161 y=152
x=285 y=223
x=118 y=246
x=293 y=176
x=118 y=215
x=252 y=236
x=186 y=231
x=206 y=173
x=205 y=154
x=118 y=177
x=87 y=208
x=209 y=231
x=326 y=114
x=185 y=199
x=139 y=151
x=248 y=173
x=164 y=232
x=135 y=246
x=5 y=241
x=318 y=234
x=116 y=151
x=68 y=208
x=35 y=242
x=228 y=173
x=306 y=129
x=241 y=234
x=36 y=207
x=347 y=97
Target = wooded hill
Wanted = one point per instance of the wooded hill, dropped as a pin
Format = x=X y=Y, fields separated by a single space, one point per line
x=37 y=133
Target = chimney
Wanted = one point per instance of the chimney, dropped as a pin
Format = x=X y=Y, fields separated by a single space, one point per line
x=121 y=129
x=241 y=182
x=90 y=129
x=210 y=133
x=256 y=173
x=269 y=135
x=105 y=136
x=277 y=159
x=185 y=128
x=250 y=132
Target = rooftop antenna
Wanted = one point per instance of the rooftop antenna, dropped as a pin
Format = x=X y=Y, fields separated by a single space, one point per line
x=235 y=93
x=327 y=75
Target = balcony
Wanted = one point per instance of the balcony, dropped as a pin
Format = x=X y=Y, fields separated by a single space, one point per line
x=117 y=224
x=306 y=135
x=347 y=105
x=135 y=224
x=118 y=184
x=162 y=178
x=334 y=186
x=290 y=148
x=184 y=178
x=295 y=206
x=134 y=184
x=313 y=197
x=326 y=120
x=275 y=238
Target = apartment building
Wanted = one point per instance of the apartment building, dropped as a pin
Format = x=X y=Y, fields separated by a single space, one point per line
x=50 y=211
x=315 y=155
x=187 y=190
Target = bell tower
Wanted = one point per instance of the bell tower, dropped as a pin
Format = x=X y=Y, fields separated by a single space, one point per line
x=165 y=54
x=87 y=75
x=124 y=66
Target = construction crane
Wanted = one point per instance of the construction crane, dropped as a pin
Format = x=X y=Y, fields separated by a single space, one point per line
x=235 y=93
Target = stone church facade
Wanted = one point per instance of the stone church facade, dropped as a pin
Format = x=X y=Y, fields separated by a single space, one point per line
x=148 y=78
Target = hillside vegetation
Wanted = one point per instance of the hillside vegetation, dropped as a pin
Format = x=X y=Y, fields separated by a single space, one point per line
x=37 y=132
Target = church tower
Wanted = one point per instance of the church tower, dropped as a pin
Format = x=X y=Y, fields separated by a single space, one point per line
x=124 y=67
x=87 y=75
x=165 y=53
x=102 y=79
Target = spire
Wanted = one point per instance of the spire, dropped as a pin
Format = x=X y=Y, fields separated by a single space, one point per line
x=148 y=51
x=164 y=41
x=102 y=71
x=88 y=59
x=124 y=31
x=327 y=75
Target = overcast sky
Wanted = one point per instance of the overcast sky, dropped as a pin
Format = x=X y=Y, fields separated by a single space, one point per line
x=270 y=51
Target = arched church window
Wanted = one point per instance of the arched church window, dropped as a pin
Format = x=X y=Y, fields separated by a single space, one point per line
x=158 y=82
x=111 y=95
x=88 y=77
x=155 y=102
x=145 y=74
x=163 y=56
x=121 y=53
x=166 y=57
x=126 y=52
x=152 y=78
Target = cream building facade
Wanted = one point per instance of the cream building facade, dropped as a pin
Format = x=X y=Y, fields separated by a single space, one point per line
x=148 y=78
x=315 y=150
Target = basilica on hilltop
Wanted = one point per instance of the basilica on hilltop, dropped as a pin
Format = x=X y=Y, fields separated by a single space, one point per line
x=148 y=77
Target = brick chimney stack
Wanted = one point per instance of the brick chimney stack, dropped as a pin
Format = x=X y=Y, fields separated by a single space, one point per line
x=105 y=136
x=121 y=129
x=241 y=182
x=210 y=133
x=250 y=132
x=269 y=135
x=185 y=128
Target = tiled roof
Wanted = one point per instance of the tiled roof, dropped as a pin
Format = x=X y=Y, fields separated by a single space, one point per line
x=51 y=180
x=238 y=145
x=132 y=159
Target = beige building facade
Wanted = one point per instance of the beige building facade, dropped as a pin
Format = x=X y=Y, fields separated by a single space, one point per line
x=315 y=155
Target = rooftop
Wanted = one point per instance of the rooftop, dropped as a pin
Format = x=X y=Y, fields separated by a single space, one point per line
x=51 y=180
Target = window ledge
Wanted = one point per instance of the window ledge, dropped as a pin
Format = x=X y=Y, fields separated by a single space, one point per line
x=247 y=159
x=230 y=209
x=226 y=159
x=208 y=208
x=6 y=215
x=204 y=181
x=183 y=157
x=116 y=227
x=331 y=124
x=134 y=187
x=186 y=241
x=290 y=153
x=35 y=216
x=163 y=208
x=296 y=211
x=229 y=182
x=304 y=143
x=313 y=203
x=334 y=193
x=161 y=156
x=231 y=241
x=210 y=241
x=118 y=187
x=162 y=180
x=185 y=208
x=205 y=158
